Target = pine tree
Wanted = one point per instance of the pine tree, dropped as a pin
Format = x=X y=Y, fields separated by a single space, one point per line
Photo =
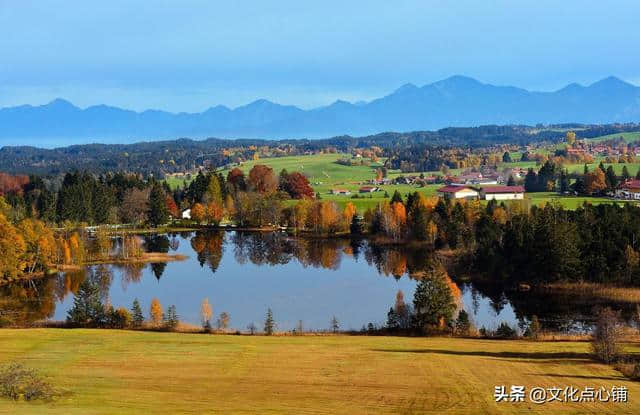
x=397 y=197
x=136 y=313
x=432 y=300
x=158 y=212
x=269 y=323
x=462 y=323
x=511 y=181
x=625 y=173
x=392 y=320
x=171 y=318
x=87 y=310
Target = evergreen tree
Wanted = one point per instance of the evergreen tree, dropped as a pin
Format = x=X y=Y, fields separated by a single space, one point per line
x=625 y=173
x=136 y=313
x=511 y=181
x=269 y=323
x=87 y=310
x=638 y=175
x=586 y=169
x=171 y=318
x=433 y=301
x=463 y=325
x=392 y=320
x=506 y=157
x=611 y=178
x=564 y=181
x=531 y=181
x=158 y=213
x=397 y=197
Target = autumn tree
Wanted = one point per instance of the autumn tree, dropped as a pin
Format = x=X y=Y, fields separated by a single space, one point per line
x=214 y=213
x=134 y=206
x=198 y=212
x=172 y=208
x=40 y=244
x=571 y=138
x=297 y=186
x=349 y=212
x=595 y=182
x=205 y=314
x=155 y=312
x=13 y=248
x=214 y=191
x=262 y=179
x=236 y=180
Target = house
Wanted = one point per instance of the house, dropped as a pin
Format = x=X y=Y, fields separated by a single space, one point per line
x=368 y=189
x=502 y=192
x=186 y=214
x=629 y=190
x=340 y=192
x=457 y=192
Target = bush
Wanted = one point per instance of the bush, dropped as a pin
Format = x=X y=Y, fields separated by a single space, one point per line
x=119 y=318
x=606 y=336
x=505 y=331
x=17 y=381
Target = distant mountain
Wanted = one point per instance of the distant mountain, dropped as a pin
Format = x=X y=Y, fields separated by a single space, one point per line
x=455 y=101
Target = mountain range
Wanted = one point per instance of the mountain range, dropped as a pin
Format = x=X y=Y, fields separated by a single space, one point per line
x=455 y=101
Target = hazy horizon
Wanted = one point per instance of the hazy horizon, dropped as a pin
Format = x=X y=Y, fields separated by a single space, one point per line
x=198 y=54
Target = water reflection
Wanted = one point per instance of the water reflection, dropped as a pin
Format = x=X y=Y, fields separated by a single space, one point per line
x=243 y=273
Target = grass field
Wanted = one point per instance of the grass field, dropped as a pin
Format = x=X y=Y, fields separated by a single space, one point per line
x=108 y=372
x=324 y=175
x=628 y=137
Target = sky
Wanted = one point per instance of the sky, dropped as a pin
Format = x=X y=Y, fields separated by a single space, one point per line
x=189 y=55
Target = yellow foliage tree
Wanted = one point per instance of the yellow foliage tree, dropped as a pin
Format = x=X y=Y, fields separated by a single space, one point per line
x=155 y=311
x=205 y=312
x=197 y=212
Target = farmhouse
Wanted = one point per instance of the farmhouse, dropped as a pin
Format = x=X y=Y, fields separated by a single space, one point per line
x=629 y=190
x=502 y=192
x=457 y=192
x=367 y=189
x=340 y=192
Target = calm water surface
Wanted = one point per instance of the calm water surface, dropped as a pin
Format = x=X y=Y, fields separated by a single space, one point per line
x=243 y=274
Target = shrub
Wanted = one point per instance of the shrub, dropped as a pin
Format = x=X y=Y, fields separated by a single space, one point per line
x=606 y=336
x=505 y=331
x=17 y=381
x=119 y=318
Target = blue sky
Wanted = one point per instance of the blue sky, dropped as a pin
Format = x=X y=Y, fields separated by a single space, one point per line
x=189 y=55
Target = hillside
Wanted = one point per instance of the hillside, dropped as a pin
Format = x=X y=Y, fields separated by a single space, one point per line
x=456 y=101
x=171 y=156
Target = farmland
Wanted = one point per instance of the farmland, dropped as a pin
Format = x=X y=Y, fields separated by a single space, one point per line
x=108 y=371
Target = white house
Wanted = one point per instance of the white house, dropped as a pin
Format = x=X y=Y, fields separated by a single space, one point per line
x=457 y=192
x=502 y=192
x=186 y=214
x=629 y=190
x=340 y=192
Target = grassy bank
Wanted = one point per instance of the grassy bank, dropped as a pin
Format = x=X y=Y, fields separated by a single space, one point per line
x=143 y=372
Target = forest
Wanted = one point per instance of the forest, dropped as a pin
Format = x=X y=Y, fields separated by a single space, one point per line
x=164 y=157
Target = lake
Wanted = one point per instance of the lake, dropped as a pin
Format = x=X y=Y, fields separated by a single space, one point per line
x=308 y=280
